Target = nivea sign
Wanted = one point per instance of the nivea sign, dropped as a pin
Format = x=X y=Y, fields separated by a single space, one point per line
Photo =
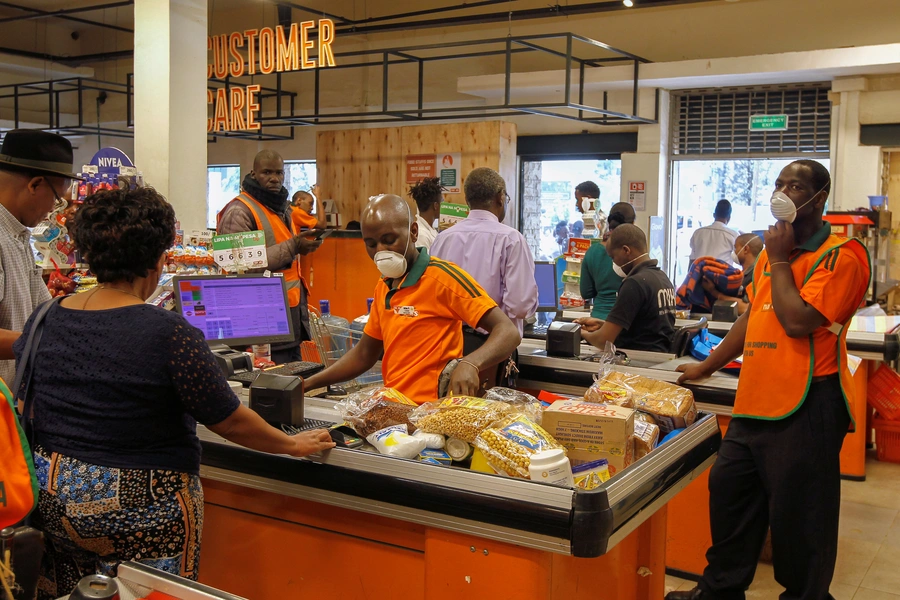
x=108 y=160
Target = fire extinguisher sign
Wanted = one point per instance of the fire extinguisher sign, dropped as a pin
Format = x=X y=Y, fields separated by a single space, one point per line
x=637 y=194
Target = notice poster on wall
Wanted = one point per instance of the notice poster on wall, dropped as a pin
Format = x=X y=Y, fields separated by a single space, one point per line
x=449 y=172
x=420 y=166
x=637 y=194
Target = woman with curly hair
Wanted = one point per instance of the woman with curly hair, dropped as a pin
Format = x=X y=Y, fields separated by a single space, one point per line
x=428 y=194
x=118 y=388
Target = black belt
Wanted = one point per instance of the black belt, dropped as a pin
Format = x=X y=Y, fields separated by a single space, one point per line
x=824 y=378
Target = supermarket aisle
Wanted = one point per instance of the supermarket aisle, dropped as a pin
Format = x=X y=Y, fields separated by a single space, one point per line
x=868 y=565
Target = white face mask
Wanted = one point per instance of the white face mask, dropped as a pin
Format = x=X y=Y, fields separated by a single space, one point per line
x=393 y=264
x=784 y=209
x=620 y=271
x=735 y=256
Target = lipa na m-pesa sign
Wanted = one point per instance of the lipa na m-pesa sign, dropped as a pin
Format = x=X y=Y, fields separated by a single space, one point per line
x=268 y=50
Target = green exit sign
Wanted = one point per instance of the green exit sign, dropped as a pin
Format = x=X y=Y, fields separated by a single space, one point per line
x=768 y=122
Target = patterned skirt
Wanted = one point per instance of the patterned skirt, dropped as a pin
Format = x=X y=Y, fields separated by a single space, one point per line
x=94 y=518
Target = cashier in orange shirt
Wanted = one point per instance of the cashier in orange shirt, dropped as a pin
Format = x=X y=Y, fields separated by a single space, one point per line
x=779 y=463
x=416 y=320
x=302 y=210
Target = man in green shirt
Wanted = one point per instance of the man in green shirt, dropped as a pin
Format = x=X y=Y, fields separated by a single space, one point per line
x=598 y=280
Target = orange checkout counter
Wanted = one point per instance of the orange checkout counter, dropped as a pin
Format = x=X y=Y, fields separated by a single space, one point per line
x=354 y=524
x=688 y=536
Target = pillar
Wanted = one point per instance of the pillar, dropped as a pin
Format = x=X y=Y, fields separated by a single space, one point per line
x=650 y=164
x=170 y=102
x=855 y=169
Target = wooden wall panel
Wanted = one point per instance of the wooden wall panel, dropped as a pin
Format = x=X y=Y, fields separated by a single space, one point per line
x=356 y=164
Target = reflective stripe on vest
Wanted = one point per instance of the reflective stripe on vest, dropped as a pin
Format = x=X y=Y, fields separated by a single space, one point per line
x=276 y=231
x=777 y=370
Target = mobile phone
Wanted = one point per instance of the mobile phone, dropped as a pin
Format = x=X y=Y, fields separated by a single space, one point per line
x=324 y=233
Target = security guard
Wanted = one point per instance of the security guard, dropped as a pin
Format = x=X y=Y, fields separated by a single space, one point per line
x=263 y=205
x=779 y=463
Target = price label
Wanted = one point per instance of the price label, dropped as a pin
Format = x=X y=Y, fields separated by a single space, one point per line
x=242 y=251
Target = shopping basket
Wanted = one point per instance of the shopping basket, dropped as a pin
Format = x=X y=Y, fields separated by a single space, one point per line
x=884 y=392
x=330 y=343
x=887 y=439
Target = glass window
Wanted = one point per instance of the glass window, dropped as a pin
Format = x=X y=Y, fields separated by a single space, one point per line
x=699 y=184
x=549 y=216
x=299 y=176
x=223 y=183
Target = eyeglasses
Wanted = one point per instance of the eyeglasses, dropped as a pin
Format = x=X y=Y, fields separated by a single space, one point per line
x=58 y=203
x=507 y=198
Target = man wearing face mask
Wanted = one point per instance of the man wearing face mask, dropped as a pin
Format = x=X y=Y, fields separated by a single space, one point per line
x=643 y=317
x=779 y=463
x=263 y=205
x=417 y=316
x=35 y=169
x=598 y=280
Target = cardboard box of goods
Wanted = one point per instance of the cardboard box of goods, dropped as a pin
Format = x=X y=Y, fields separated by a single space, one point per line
x=591 y=431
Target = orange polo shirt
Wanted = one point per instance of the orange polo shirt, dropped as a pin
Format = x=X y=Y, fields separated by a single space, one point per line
x=303 y=219
x=420 y=323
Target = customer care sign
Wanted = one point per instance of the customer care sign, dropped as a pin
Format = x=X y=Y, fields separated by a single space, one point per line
x=269 y=50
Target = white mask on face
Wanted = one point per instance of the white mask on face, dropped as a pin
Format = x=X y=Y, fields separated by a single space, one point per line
x=620 y=271
x=735 y=256
x=393 y=264
x=784 y=209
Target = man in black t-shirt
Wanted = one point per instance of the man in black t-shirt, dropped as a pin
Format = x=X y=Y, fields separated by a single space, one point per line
x=643 y=317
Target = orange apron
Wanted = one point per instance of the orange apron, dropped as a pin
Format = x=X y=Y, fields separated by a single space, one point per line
x=276 y=231
x=777 y=370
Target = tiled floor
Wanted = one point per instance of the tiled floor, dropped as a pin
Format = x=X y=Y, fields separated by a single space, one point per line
x=868 y=563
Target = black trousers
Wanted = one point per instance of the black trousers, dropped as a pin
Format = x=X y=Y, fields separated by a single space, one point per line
x=284 y=353
x=785 y=475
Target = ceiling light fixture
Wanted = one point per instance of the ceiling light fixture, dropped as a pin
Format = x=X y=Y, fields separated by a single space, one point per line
x=628 y=3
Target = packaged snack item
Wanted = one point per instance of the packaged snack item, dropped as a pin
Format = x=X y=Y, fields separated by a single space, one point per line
x=589 y=476
x=395 y=441
x=672 y=406
x=371 y=410
x=609 y=393
x=528 y=404
x=431 y=461
x=646 y=438
x=509 y=444
x=435 y=441
x=645 y=417
x=438 y=455
x=463 y=417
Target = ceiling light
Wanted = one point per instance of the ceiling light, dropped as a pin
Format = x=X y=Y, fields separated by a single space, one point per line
x=628 y=3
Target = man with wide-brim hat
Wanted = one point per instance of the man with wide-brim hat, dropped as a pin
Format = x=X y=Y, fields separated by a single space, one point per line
x=35 y=170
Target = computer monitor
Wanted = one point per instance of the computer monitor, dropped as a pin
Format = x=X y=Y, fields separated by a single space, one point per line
x=548 y=294
x=236 y=310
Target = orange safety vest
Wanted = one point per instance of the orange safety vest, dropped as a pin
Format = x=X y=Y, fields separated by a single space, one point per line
x=276 y=231
x=777 y=370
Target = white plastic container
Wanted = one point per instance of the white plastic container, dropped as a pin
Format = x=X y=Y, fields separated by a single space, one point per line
x=551 y=466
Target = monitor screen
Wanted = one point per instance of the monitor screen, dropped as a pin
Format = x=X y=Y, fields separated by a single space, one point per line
x=548 y=295
x=236 y=310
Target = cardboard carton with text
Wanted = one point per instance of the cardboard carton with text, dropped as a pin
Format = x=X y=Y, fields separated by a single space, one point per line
x=592 y=431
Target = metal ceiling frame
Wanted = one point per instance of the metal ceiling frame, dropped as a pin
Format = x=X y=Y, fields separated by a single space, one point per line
x=66 y=14
x=377 y=24
x=278 y=107
x=56 y=120
x=567 y=108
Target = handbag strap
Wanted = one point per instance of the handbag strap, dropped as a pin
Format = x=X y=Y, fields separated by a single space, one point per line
x=28 y=354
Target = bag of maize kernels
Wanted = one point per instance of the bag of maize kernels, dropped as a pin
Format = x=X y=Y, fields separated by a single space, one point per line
x=509 y=444
x=462 y=417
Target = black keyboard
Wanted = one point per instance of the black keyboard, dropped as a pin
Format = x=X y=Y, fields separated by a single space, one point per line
x=307 y=425
x=297 y=369
x=536 y=332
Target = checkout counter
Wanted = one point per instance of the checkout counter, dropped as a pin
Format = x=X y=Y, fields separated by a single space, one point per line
x=688 y=530
x=282 y=527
